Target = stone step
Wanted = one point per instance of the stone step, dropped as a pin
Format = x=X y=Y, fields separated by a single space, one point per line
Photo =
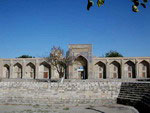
x=132 y=91
x=132 y=86
x=127 y=101
x=132 y=94
x=138 y=88
x=130 y=97
x=146 y=98
x=146 y=103
x=135 y=85
x=137 y=93
x=135 y=90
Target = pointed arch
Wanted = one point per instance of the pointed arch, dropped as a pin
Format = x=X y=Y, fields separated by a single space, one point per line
x=130 y=69
x=80 y=56
x=45 y=70
x=6 y=71
x=30 y=71
x=82 y=59
x=115 y=68
x=17 y=68
x=101 y=69
x=81 y=67
x=144 y=69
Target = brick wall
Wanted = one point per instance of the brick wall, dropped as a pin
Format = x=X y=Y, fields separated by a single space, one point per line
x=56 y=93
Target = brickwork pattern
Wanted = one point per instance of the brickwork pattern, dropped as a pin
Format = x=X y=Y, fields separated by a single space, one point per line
x=58 y=93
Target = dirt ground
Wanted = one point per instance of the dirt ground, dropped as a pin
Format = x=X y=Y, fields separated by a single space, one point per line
x=66 y=109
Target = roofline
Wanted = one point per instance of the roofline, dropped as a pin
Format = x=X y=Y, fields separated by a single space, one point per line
x=19 y=58
x=120 y=57
x=79 y=44
x=93 y=58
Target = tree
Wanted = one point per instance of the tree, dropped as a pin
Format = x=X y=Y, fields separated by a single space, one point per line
x=113 y=54
x=59 y=60
x=25 y=56
x=136 y=4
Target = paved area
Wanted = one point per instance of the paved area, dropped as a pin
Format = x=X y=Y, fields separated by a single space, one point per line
x=66 y=109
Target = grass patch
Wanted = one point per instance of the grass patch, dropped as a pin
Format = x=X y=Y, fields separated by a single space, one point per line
x=36 y=105
x=28 y=111
x=77 y=105
x=66 y=108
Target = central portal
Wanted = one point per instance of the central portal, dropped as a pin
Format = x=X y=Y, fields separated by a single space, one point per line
x=81 y=67
x=81 y=72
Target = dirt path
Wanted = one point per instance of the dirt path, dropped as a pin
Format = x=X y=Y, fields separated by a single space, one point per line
x=65 y=109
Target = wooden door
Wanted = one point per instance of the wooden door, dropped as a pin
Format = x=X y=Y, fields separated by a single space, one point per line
x=45 y=74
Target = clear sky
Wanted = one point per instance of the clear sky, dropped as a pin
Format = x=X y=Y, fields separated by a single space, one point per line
x=32 y=27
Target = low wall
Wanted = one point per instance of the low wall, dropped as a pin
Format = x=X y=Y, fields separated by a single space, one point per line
x=58 y=93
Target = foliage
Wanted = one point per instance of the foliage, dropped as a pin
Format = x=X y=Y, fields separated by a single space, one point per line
x=113 y=54
x=25 y=56
x=136 y=4
x=90 y=3
x=59 y=60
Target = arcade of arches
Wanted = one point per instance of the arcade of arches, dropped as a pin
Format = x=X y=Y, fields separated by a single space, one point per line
x=84 y=66
x=29 y=71
x=101 y=70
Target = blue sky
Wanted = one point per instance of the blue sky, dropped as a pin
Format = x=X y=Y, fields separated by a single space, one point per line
x=33 y=26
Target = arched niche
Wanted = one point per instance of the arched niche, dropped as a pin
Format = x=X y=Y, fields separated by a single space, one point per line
x=144 y=69
x=115 y=70
x=130 y=69
x=101 y=70
x=6 y=71
x=45 y=71
x=30 y=71
x=17 y=70
x=81 y=67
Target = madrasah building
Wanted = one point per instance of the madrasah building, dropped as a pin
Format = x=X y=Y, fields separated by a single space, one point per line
x=85 y=66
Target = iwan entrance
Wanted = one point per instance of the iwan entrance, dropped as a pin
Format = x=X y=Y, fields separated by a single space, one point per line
x=81 y=67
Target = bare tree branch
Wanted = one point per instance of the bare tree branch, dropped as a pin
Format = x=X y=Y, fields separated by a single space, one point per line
x=58 y=60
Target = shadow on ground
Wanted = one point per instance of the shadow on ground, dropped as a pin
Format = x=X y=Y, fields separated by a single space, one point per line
x=95 y=110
